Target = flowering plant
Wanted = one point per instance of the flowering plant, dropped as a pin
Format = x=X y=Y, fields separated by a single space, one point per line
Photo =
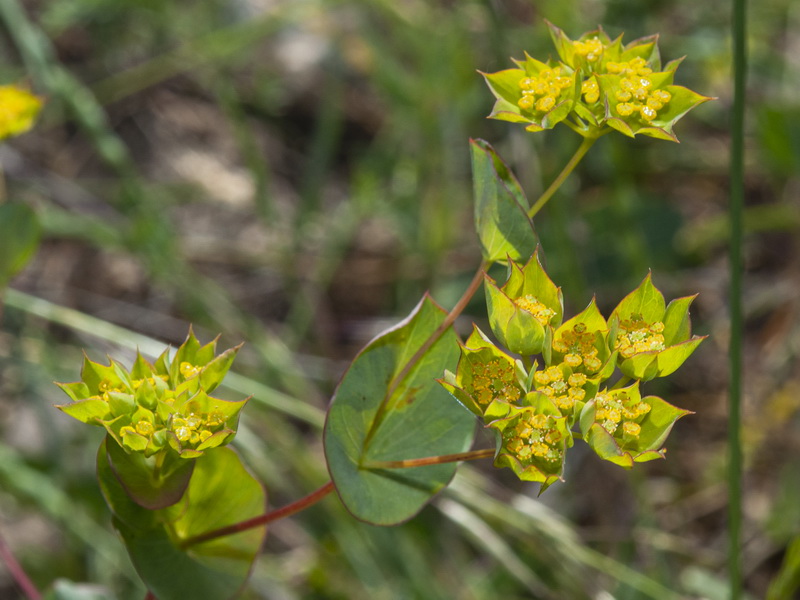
x=393 y=435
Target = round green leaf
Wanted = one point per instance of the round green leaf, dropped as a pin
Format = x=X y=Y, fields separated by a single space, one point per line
x=374 y=416
x=221 y=493
x=147 y=486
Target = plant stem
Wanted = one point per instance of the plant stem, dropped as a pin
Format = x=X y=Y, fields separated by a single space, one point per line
x=17 y=572
x=474 y=285
x=558 y=181
x=429 y=460
x=280 y=513
x=624 y=380
x=738 y=25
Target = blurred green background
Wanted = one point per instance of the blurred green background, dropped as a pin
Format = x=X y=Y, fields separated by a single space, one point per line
x=295 y=174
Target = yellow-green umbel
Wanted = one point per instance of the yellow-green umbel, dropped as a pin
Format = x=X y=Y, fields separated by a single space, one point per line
x=487 y=380
x=537 y=94
x=651 y=339
x=533 y=440
x=624 y=428
x=524 y=311
x=597 y=85
x=162 y=406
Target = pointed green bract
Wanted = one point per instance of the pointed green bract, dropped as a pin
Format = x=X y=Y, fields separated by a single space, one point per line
x=581 y=343
x=612 y=87
x=374 y=416
x=533 y=440
x=651 y=340
x=523 y=312
x=487 y=380
x=153 y=483
x=221 y=492
x=503 y=227
x=624 y=428
x=538 y=94
x=159 y=407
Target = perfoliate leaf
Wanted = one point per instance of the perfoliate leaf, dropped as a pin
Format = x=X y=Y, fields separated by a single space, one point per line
x=501 y=221
x=383 y=411
x=221 y=493
x=155 y=482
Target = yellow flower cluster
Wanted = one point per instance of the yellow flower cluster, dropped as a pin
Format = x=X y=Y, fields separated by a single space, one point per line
x=188 y=370
x=18 y=110
x=534 y=436
x=191 y=430
x=541 y=93
x=196 y=429
x=108 y=387
x=613 y=411
x=590 y=91
x=591 y=49
x=637 y=335
x=550 y=382
x=578 y=348
x=531 y=304
x=635 y=94
x=495 y=381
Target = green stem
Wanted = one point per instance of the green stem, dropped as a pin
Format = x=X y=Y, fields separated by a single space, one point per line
x=474 y=285
x=159 y=464
x=739 y=20
x=587 y=143
x=428 y=460
x=622 y=381
x=280 y=513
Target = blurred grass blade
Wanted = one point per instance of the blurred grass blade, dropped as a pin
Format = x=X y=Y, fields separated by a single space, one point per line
x=786 y=583
x=739 y=34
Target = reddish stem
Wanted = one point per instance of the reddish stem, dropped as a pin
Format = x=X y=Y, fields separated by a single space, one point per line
x=17 y=572
x=474 y=286
x=429 y=460
x=280 y=513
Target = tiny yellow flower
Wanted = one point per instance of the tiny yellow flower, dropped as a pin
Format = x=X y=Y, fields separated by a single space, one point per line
x=18 y=110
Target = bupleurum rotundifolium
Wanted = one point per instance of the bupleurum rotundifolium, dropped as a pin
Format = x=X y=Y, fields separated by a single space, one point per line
x=597 y=85
x=541 y=92
x=534 y=435
x=579 y=348
x=591 y=49
x=538 y=309
x=155 y=407
x=635 y=335
x=494 y=381
x=636 y=93
x=618 y=413
x=563 y=391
